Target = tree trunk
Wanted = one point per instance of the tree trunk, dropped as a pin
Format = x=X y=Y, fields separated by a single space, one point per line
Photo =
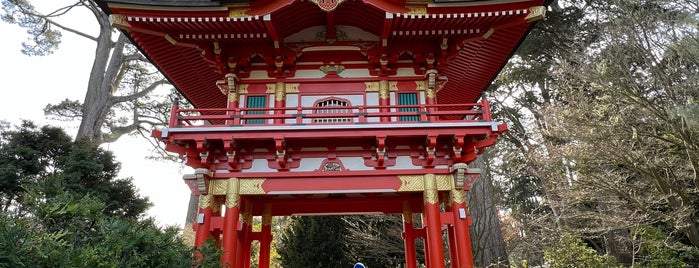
x=486 y=236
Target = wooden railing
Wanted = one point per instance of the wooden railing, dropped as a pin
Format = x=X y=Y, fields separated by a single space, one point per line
x=393 y=114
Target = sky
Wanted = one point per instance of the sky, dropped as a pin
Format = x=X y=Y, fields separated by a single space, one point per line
x=29 y=83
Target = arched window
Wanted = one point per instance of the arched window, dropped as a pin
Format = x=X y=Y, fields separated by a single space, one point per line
x=332 y=106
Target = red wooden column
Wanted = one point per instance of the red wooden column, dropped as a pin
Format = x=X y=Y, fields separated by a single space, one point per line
x=461 y=228
x=409 y=237
x=279 y=101
x=230 y=222
x=204 y=219
x=229 y=87
x=430 y=91
x=266 y=237
x=384 y=100
x=245 y=237
x=434 y=226
x=452 y=240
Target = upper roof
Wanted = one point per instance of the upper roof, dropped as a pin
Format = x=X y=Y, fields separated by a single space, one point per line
x=196 y=42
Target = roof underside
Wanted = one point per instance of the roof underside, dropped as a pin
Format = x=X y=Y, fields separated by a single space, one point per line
x=195 y=43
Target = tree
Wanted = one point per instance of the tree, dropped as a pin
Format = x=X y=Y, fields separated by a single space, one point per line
x=315 y=241
x=70 y=211
x=119 y=96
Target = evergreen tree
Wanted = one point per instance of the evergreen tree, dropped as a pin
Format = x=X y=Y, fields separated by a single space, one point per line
x=315 y=241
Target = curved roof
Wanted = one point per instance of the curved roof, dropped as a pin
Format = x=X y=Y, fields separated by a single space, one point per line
x=194 y=43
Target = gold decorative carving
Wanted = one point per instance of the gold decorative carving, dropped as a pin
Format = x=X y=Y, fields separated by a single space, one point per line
x=444 y=182
x=416 y=10
x=327 y=5
x=119 y=21
x=411 y=183
x=280 y=91
x=393 y=85
x=536 y=13
x=205 y=200
x=420 y=85
x=247 y=214
x=371 y=86
x=232 y=96
x=271 y=88
x=457 y=196
x=218 y=187
x=384 y=90
x=487 y=34
x=252 y=186
x=431 y=193
x=430 y=93
x=233 y=193
x=243 y=89
x=238 y=12
x=291 y=88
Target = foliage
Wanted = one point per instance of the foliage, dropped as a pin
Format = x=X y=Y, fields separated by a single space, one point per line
x=569 y=251
x=70 y=211
x=315 y=241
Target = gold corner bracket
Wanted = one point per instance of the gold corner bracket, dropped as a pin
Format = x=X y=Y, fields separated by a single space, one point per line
x=536 y=13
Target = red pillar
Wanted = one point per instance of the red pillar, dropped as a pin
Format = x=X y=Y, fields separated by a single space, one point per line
x=409 y=237
x=454 y=261
x=230 y=223
x=266 y=237
x=461 y=228
x=232 y=102
x=279 y=101
x=204 y=220
x=384 y=100
x=434 y=226
x=430 y=91
x=244 y=245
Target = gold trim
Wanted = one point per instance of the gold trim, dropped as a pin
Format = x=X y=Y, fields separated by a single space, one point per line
x=218 y=187
x=457 y=196
x=488 y=33
x=188 y=234
x=431 y=193
x=444 y=182
x=393 y=85
x=233 y=193
x=170 y=39
x=232 y=96
x=371 y=86
x=430 y=93
x=271 y=88
x=243 y=89
x=536 y=13
x=384 y=89
x=119 y=21
x=238 y=12
x=252 y=186
x=411 y=183
x=291 y=88
x=205 y=201
x=416 y=10
x=420 y=85
x=279 y=91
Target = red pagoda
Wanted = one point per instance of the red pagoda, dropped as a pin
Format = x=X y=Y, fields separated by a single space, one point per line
x=329 y=107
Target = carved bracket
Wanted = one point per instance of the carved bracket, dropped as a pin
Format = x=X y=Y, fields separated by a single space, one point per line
x=203 y=176
x=464 y=176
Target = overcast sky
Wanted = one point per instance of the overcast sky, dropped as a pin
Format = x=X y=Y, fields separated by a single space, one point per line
x=30 y=83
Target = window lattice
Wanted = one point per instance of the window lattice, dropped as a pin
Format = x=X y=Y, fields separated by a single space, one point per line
x=332 y=106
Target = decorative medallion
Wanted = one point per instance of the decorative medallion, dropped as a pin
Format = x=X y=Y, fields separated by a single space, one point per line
x=332 y=166
x=327 y=5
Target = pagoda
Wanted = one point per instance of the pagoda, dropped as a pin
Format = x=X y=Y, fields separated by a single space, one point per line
x=329 y=107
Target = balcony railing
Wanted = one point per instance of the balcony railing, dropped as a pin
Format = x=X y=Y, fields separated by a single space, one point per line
x=345 y=115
